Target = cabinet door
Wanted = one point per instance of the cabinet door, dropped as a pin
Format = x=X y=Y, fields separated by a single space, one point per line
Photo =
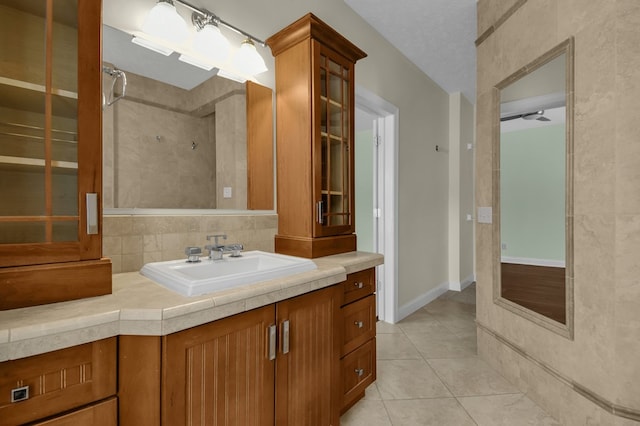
x=307 y=362
x=50 y=130
x=220 y=373
x=333 y=142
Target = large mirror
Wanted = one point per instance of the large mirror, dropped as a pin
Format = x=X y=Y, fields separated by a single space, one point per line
x=533 y=191
x=178 y=138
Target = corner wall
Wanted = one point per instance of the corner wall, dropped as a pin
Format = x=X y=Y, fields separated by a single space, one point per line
x=595 y=378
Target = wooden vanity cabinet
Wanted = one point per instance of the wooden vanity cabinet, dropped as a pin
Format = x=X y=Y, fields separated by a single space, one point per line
x=314 y=67
x=50 y=153
x=273 y=365
x=358 y=350
x=79 y=381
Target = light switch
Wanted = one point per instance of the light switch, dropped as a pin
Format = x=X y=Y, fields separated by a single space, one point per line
x=485 y=215
x=469 y=218
x=226 y=192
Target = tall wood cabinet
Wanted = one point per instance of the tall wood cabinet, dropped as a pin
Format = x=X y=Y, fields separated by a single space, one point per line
x=50 y=152
x=314 y=68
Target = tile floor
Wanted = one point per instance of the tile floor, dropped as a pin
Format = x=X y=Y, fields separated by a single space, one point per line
x=429 y=374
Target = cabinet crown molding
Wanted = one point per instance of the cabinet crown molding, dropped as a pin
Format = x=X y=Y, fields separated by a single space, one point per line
x=310 y=26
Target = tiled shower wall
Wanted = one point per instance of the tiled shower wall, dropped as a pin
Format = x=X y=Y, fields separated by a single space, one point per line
x=131 y=241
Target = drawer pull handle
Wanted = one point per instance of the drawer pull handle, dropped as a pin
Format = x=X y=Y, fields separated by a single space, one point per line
x=359 y=285
x=272 y=342
x=20 y=394
x=359 y=372
x=359 y=324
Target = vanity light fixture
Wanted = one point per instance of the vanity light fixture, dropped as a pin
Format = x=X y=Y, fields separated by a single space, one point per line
x=168 y=32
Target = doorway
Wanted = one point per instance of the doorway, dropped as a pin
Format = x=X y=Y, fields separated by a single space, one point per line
x=376 y=187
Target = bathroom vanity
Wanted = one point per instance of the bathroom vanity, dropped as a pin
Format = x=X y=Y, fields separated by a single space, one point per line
x=285 y=351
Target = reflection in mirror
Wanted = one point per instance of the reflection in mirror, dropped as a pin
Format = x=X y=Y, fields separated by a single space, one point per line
x=178 y=139
x=534 y=201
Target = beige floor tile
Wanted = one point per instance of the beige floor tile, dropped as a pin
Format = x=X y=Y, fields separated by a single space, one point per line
x=425 y=412
x=431 y=328
x=470 y=377
x=372 y=392
x=407 y=379
x=366 y=413
x=416 y=322
x=386 y=328
x=395 y=346
x=506 y=410
x=445 y=346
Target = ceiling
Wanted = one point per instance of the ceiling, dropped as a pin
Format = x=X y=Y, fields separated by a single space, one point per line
x=436 y=35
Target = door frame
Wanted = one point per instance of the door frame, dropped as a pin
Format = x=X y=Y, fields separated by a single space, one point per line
x=386 y=234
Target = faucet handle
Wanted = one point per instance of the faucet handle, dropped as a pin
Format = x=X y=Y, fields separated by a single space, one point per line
x=193 y=254
x=215 y=238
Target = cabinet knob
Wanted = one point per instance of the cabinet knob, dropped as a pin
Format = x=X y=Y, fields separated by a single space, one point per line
x=359 y=372
x=359 y=285
x=359 y=324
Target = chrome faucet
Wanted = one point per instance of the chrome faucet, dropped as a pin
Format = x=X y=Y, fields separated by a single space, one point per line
x=217 y=250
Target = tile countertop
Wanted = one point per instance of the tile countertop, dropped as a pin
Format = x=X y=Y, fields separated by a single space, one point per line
x=139 y=306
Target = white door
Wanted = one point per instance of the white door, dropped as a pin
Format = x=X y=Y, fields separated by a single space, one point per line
x=376 y=182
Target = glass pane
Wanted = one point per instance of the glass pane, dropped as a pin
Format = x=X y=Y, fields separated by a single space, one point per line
x=336 y=166
x=325 y=164
x=65 y=42
x=335 y=67
x=335 y=120
x=345 y=111
x=64 y=181
x=323 y=61
x=323 y=116
x=64 y=184
x=65 y=231
x=22 y=31
x=22 y=107
x=323 y=82
x=335 y=84
x=21 y=190
x=22 y=232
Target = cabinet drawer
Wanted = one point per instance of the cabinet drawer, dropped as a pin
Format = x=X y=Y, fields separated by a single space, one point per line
x=57 y=381
x=359 y=285
x=358 y=323
x=358 y=372
x=101 y=414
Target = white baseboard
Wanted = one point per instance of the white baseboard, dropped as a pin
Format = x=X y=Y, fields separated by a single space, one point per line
x=422 y=300
x=459 y=286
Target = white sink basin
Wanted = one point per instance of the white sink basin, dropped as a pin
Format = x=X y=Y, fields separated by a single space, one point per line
x=194 y=279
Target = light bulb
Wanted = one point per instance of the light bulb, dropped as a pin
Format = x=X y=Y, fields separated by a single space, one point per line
x=164 y=22
x=248 y=61
x=210 y=43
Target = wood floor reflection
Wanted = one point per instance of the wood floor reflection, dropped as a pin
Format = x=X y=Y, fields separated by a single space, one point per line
x=538 y=288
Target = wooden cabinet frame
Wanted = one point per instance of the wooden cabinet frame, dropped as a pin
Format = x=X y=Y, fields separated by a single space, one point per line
x=38 y=273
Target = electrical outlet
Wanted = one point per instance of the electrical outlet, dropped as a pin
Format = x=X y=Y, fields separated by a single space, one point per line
x=504 y=246
x=226 y=192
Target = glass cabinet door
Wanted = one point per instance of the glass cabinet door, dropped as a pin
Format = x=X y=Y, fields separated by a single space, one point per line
x=334 y=206
x=39 y=143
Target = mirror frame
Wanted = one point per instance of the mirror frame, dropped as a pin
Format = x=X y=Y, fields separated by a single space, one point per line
x=565 y=330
